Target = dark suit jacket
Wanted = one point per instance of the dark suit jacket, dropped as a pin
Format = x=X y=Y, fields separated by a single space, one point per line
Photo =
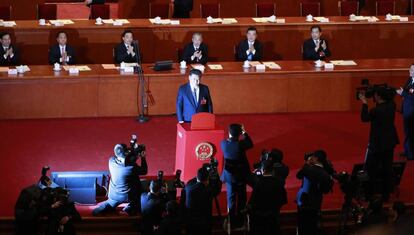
x=197 y=199
x=236 y=166
x=9 y=61
x=268 y=196
x=121 y=54
x=182 y=8
x=152 y=207
x=383 y=134
x=408 y=100
x=54 y=54
x=186 y=106
x=315 y=182
x=309 y=52
x=244 y=46
x=189 y=51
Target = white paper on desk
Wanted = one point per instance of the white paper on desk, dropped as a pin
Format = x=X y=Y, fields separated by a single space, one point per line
x=61 y=21
x=254 y=63
x=175 y=22
x=123 y=21
x=272 y=65
x=343 y=62
x=280 y=21
x=25 y=68
x=4 y=69
x=321 y=19
x=109 y=66
x=260 y=19
x=229 y=21
x=79 y=67
x=395 y=17
x=217 y=20
x=109 y=21
x=130 y=64
x=215 y=66
x=9 y=23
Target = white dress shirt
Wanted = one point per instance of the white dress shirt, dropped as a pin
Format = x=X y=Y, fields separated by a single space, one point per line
x=63 y=48
x=197 y=91
x=251 y=44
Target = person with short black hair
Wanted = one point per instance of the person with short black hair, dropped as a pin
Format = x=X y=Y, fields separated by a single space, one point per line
x=196 y=52
x=268 y=196
x=316 y=48
x=126 y=51
x=152 y=207
x=250 y=48
x=8 y=52
x=236 y=171
x=193 y=97
x=124 y=185
x=182 y=8
x=61 y=52
x=280 y=170
x=197 y=199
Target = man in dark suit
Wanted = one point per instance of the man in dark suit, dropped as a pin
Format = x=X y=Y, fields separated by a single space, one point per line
x=125 y=185
x=152 y=207
x=126 y=51
x=182 y=8
x=315 y=48
x=236 y=171
x=8 y=52
x=407 y=93
x=382 y=138
x=90 y=2
x=250 y=49
x=197 y=199
x=315 y=182
x=268 y=196
x=193 y=97
x=196 y=52
x=61 y=52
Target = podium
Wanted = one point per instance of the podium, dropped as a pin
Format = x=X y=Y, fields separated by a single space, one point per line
x=197 y=143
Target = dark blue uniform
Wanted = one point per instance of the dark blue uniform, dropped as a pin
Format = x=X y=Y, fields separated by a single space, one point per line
x=408 y=117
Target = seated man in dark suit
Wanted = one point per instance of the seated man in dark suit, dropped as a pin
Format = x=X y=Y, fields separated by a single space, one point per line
x=8 y=52
x=182 y=8
x=126 y=51
x=250 y=49
x=61 y=52
x=90 y=2
x=193 y=98
x=196 y=52
x=316 y=48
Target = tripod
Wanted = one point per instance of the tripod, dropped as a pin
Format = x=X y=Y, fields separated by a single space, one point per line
x=143 y=105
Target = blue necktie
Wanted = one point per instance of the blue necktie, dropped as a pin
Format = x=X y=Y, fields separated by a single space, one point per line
x=250 y=57
x=195 y=96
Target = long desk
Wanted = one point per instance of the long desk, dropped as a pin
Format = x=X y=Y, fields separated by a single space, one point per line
x=94 y=44
x=297 y=87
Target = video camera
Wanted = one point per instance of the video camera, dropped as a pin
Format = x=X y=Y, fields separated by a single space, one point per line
x=169 y=188
x=134 y=150
x=214 y=176
x=386 y=92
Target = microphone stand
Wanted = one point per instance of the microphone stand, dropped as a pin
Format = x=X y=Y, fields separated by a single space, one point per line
x=142 y=106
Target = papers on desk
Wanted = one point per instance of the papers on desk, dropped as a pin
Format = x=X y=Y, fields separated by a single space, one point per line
x=164 y=21
x=79 y=67
x=119 y=21
x=254 y=63
x=268 y=20
x=343 y=62
x=321 y=19
x=4 y=69
x=211 y=20
x=272 y=65
x=109 y=66
x=7 y=23
x=24 y=67
x=215 y=66
x=54 y=22
x=229 y=21
x=199 y=67
x=362 y=18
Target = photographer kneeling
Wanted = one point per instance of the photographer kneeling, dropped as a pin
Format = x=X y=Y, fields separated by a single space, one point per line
x=125 y=185
x=268 y=196
x=382 y=137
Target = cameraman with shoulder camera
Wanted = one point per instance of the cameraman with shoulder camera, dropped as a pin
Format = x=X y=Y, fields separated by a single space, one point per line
x=316 y=181
x=125 y=185
x=152 y=207
x=236 y=171
x=268 y=196
x=196 y=200
x=382 y=137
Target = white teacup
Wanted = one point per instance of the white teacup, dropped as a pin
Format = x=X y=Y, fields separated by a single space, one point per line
x=246 y=64
x=42 y=21
x=157 y=20
x=56 y=66
x=209 y=19
x=352 y=17
x=388 y=17
x=122 y=65
x=309 y=17
x=272 y=18
x=20 y=69
x=99 y=20
x=183 y=64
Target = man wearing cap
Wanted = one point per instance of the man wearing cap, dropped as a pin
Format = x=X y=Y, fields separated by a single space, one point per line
x=193 y=97
x=125 y=185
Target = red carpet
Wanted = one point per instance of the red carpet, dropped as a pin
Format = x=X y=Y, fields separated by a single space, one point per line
x=85 y=144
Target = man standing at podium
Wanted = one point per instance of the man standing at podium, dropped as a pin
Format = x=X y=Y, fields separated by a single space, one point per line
x=193 y=97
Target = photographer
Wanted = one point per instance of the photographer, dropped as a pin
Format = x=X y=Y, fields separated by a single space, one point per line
x=196 y=200
x=152 y=207
x=236 y=171
x=382 y=137
x=275 y=156
x=171 y=222
x=316 y=181
x=268 y=196
x=125 y=185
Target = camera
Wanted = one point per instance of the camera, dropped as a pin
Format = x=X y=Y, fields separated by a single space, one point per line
x=169 y=187
x=134 y=150
x=386 y=92
x=214 y=176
